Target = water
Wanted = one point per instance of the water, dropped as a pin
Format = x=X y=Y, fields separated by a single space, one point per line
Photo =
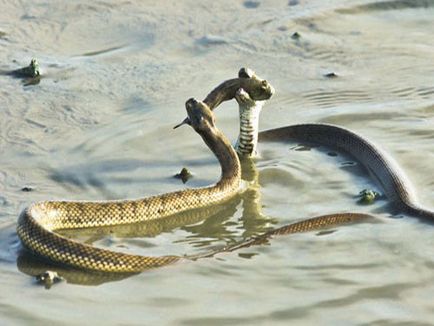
x=98 y=126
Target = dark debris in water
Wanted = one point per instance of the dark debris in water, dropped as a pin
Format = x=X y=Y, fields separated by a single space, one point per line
x=184 y=175
x=295 y=36
x=246 y=255
x=48 y=278
x=31 y=71
x=251 y=4
x=368 y=196
x=27 y=188
x=331 y=75
x=31 y=74
x=293 y=2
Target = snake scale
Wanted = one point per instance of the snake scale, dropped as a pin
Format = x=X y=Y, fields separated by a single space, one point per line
x=37 y=224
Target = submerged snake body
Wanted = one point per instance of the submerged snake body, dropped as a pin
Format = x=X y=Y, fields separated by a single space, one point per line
x=397 y=187
x=37 y=223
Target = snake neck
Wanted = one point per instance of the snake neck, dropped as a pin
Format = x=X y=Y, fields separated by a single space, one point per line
x=226 y=91
x=247 y=142
x=227 y=157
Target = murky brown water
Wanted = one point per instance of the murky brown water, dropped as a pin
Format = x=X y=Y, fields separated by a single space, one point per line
x=98 y=126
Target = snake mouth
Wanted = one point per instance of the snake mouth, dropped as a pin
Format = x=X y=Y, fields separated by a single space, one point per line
x=186 y=121
x=189 y=105
x=197 y=115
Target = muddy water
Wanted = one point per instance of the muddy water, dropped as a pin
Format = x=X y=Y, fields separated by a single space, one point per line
x=98 y=126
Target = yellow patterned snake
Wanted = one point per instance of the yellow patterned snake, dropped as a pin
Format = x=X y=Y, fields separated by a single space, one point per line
x=37 y=223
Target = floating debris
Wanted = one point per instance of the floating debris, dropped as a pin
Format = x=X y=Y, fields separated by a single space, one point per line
x=368 y=196
x=31 y=71
x=331 y=75
x=295 y=36
x=184 y=175
x=48 y=278
x=27 y=188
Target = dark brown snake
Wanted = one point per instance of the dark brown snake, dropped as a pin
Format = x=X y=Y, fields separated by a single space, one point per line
x=385 y=171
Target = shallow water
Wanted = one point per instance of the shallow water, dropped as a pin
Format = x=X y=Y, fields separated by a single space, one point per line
x=99 y=126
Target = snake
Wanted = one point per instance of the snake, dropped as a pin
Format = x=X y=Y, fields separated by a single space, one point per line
x=381 y=166
x=38 y=223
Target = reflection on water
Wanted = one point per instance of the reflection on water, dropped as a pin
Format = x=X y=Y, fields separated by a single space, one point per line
x=33 y=266
x=211 y=223
x=206 y=228
x=99 y=126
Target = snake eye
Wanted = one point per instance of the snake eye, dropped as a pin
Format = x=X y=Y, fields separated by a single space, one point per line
x=190 y=103
x=264 y=83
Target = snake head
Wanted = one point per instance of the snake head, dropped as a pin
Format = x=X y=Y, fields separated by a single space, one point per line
x=259 y=89
x=200 y=116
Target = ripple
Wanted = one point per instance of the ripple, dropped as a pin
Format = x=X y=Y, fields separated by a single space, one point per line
x=386 y=6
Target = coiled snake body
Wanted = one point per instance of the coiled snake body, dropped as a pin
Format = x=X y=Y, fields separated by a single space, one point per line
x=397 y=187
x=37 y=223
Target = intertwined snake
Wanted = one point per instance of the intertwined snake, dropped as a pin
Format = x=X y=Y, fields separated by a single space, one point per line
x=38 y=223
x=395 y=184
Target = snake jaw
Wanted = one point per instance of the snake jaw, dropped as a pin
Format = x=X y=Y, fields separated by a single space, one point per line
x=189 y=105
x=200 y=116
x=186 y=121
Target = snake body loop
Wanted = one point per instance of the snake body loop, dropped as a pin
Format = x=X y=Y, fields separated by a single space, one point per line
x=36 y=224
x=397 y=187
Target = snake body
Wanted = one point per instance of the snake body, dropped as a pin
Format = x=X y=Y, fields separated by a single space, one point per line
x=36 y=224
x=384 y=169
x=397 y=187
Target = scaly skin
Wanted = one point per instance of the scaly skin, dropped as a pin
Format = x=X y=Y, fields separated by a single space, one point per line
x=397 y=188
x=37 y=223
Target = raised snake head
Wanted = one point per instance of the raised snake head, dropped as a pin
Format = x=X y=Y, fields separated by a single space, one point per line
x=259 y=89
x=199 y=115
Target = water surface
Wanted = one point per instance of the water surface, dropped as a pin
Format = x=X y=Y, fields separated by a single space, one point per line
x=99 y=126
